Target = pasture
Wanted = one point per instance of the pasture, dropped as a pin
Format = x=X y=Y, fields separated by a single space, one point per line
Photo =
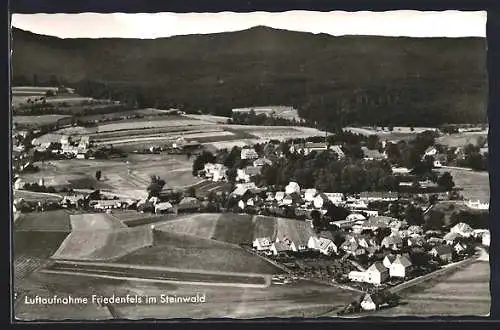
x=464 y=292
x=37 y=120
x=35 y=196
x=58 y=220
x=474 y=185
x=195 y=253
x=94 y=221
x=461 y=139
x=100 y=245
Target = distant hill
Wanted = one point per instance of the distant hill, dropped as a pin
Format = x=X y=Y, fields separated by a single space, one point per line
x=348 y=79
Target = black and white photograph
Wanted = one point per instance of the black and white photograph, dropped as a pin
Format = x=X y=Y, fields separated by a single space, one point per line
x=224 y=165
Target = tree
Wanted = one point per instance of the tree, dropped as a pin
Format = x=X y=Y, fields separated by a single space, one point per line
x=414 y=216
x=435 y=220
x=49 y=93
x=200 y=161
x=433 y=199
x=372 y=142
x=191 y=192
x=316 y=218
x=98 y=175
x=446 y=181
x=155 y=187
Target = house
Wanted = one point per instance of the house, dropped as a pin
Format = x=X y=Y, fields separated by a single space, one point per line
x=262 y=243
x=393 y=241
x=462 y=229
x=320 y=201
x=374 y=196
x=356 y=276
x=357 y=205
x=431 y=151
x=278 y=248
x=215 y=172
x=443 y=252
x=460 y=247
x=477 y=205
x=241 y=204
x=400 y=170
x=248 y=153
x=292 y=187
x=388 y=260
x=259 y=162
x=376 y=273
x=338 y=150
x=188 y=204
x=309 y=194
x=279 y=196
x=324 y=245
x=377 y=222
x=335 y=198
x=106 y=204
x=451 y=237
x=400 y=266
x=247 y=173
x=352 y=248
x=292 y=199
x=355 y=217
x=373 y=301
x=412 y=230
x=163 y=207
x=414 y=241
x=308 y=147
x=372 y=154
x=485 y=238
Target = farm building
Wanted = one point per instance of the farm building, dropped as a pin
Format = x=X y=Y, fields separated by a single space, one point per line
x=322 y=244
x=188 y=204
x=377 y=273
x=400 y=170
x=374 y=301
x=462 y=229
x=262 y=243
x=249 y=153
x=106 y=204
x=477 y=205
x=247 y=173
x=163 y=207
x=393 y=241
x=292 y=187
x=373 y=196
x=309 y=194
x=443 y=252
x=215 y=172
x=278 y=248
x=400 y=266
x=451 y=237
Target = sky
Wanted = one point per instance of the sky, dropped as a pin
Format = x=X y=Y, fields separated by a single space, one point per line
x=150 y=26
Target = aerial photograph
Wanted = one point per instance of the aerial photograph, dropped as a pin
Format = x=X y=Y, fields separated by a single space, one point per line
x=251 y=165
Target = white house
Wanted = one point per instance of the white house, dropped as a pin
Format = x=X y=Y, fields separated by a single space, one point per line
x=309 y=194
x=462 y=229
x=335 y=198
x=259 y=162
x=355 y=217
x=399 y=267
x=320 y=201
x=322 y=244
x=248 y=153
x=371 y=302
x=282 y=247
x=357 y=276
x=400 y=170
x=292 y=187
x=477 y=205
x=163 y=207
x=262 y=243
x=376 y=273
x=215 y=172
x=279 y=196
x=388 y=260
x=485 y=239
x=431 y=151
x=241 y=204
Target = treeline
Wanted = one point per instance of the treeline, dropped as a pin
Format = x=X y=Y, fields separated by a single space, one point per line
x=252 y=118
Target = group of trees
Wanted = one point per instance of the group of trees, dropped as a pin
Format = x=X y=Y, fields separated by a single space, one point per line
x=251 y=118
x=473 y=158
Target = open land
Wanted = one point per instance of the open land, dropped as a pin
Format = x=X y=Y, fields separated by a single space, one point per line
x=475 y=185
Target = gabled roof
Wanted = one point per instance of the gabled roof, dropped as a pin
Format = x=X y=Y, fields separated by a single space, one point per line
x=402 y=260
x=282 y=246
x=390 y=258
x=264 y=241
x=443 y=249
x=377 y=266
x=462 y=227
x=451 y=236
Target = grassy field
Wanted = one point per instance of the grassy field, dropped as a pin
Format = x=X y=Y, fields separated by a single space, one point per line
x=118 y=115
x=189 y=252
x=474 y=185
x=44 y=221
x=34 y=196
x=200 y=225
x=37 y=120
x=234 y=228
x=461 y=139
x=95 y=221
x=98 y=245
x=462 y=293
x=264 y=227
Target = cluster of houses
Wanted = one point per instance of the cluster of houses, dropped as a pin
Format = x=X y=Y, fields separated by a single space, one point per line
x=72 y=149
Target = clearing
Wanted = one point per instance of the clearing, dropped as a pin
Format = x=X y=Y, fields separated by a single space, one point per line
x=474 y=185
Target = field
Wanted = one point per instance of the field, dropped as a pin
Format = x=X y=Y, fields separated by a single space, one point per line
x=98 y=244
x=475 y=185
x=462 y=293
x=234 y=228
x=200 y=225
x=37 y=120
x=123 y=114
x=130 y=178
x=195 y=253
x=44 y=221
x=461 y=139
x=94 y=221
x=35 y=196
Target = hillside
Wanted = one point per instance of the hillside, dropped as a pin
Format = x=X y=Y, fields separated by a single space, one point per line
x=343 y=79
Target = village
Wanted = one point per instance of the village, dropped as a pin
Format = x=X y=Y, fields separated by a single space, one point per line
x=367 y=240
